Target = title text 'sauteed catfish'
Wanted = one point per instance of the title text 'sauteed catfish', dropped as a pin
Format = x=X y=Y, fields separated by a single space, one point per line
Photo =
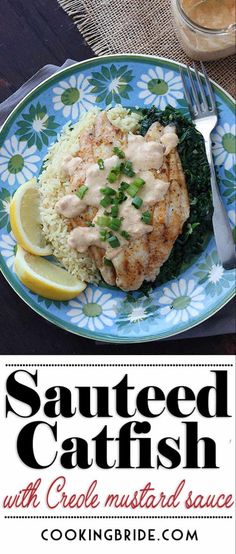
x=107 y=451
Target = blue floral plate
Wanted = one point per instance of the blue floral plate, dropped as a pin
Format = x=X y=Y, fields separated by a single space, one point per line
x=105 y=313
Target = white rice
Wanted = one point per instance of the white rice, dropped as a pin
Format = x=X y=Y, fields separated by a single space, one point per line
x=52 y=187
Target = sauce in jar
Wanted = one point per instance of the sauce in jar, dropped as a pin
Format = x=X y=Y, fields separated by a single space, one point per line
x=205 y=28
x=210 y=14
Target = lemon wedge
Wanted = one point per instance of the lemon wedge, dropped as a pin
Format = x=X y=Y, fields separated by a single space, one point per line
x=25 y=219
x=45 y=278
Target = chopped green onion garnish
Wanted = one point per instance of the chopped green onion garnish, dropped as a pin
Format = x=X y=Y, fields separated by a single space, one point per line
x=118 y=152
x=114 y=211
x=127 y=169
x=106 y=261
x=101 y=163
x=132 y=190
x=113 y=175
x=103 y=234
x=146 y=217
x=137 y=202
x=125 y=235
x=135 y=186
x=115 y=223
x=124 y=185
x=89 y=224
x=103 y=220
x=114 y=242
x=81 y=191
x=108 y=191
x=106 y=201
x=121 y=197
x=138 y=182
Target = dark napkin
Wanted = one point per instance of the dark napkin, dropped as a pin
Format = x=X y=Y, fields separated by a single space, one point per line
x=221 y=323
x=9 y=104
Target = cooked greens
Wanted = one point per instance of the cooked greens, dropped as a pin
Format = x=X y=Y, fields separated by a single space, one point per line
x=192 y=153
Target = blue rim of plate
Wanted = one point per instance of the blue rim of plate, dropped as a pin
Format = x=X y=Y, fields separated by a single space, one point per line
x=10 y=277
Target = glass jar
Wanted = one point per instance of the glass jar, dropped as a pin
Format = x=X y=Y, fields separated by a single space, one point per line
x=203 y=42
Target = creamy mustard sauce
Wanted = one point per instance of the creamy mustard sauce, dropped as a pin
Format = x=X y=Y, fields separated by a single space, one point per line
x=132 y=222
x=70 y=206
x=145 y=156
x=80 y=239
x=70 y=166
x=211 y=14
x=154 y=189
x=74 y=169
x=95 y=179
x=169 y=139
x=216 y=15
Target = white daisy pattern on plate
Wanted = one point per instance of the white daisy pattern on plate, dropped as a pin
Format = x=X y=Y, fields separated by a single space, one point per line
x=216 y=273
x=160 y=88
x=17 y=162
x=6 y=205
x=211 y=272
x=8 y=248
x=181 y=301
x=5 y=199
x=136 y=312
x=74 y=96
x=93 y=309
x=224 y=147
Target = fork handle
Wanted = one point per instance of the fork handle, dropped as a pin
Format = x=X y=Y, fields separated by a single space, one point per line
x=221 y=226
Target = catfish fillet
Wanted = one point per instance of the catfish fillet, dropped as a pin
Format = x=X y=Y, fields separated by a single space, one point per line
x=142 y=259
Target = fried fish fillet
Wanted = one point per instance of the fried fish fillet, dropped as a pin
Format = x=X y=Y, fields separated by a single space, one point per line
x=142 y=258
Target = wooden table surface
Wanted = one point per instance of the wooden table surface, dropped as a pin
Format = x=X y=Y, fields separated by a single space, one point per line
x=34 y=33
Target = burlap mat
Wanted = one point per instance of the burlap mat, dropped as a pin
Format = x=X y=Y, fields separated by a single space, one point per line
x=138 y=27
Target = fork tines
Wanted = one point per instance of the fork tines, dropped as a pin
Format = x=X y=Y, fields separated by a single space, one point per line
x=197 y=100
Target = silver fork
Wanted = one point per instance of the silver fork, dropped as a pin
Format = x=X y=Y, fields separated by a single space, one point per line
x=204 y=115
